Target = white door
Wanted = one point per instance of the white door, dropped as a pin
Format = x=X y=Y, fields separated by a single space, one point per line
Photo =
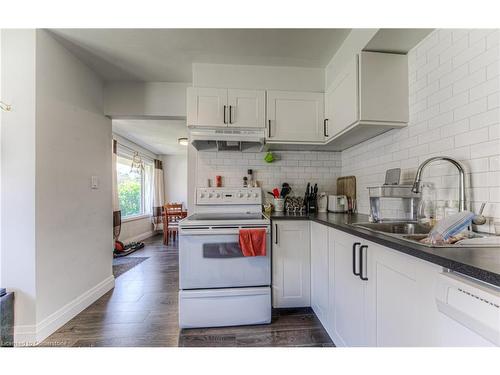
x=295 y=116
x=350 y=291
x=319 y=271
x=291 y=264
x=341 y=100
x=393 y=298
x=207 y=107
x=247 y=108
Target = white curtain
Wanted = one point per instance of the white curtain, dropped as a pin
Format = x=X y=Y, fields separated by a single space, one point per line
x=158 y=195
x=117 y=217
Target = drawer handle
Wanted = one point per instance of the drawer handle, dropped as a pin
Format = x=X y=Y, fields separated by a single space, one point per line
x=354 y=245
x=362 y=263
x=275 y=234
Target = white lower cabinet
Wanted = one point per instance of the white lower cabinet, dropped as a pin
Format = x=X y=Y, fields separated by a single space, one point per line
x=393 y=298
x=366 y=294
x=291 y=263
x=319 y=271
x=348 y=292
x=378 y=296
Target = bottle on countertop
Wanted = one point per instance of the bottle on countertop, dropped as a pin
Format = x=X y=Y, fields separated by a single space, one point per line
x=250 y=178
x=450 y=208
x=426 y=213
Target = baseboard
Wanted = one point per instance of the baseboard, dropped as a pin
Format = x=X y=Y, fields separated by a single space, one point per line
x=25 y=335
x=33 y=335
x=140 y=237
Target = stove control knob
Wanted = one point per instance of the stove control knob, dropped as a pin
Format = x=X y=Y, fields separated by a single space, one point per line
x=255 y=195
x=217 y=195
x=210 y=195
x=240 y=195
x=248 y=195
x=202 y=195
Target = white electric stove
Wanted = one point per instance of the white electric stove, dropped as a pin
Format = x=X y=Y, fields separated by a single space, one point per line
x=218 y=285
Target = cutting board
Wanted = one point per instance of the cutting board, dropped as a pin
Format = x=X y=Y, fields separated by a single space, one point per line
x=346 y=185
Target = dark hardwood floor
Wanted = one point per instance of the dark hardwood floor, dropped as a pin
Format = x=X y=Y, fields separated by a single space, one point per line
x=142 y=311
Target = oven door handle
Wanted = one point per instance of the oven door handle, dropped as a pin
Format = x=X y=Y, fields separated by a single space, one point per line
x=217 y=231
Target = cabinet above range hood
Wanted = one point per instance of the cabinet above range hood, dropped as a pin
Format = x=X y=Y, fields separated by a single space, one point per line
x=227 y=139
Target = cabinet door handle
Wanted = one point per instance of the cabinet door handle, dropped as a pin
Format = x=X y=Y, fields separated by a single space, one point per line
x=230 y=114
x=225 y=122
x=269 y=128
x=362 y=255
x=354 y=245
x=325 y=127
x=275 y=234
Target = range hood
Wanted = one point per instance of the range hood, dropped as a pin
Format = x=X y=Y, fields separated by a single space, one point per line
x=227 y=139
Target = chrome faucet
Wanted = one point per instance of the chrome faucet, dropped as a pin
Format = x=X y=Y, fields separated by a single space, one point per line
x=461 y=178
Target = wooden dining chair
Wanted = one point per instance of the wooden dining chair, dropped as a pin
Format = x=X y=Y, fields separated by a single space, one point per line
x=172 y=214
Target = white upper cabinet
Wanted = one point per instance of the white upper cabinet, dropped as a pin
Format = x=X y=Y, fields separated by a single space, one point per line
x=341 y=100
x=368 y=97
x=383 y=93
x=294 y=116
x=213 y=107
x=206 y=106
x=247 y=108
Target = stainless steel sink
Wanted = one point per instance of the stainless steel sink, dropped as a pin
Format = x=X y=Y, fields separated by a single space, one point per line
x=415 y=232
x=402 y=227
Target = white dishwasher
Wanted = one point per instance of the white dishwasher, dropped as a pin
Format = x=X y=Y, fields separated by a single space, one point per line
x=470 y=311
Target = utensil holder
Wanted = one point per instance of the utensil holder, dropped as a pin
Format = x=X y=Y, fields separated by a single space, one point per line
x=279 y=204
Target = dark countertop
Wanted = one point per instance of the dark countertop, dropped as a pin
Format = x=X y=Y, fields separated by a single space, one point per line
x=480 y=263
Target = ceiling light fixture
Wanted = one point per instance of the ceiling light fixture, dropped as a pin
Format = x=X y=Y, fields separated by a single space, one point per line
x=183 y=141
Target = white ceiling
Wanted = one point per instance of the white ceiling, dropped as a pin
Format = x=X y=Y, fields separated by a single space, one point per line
x=158 y=136
x=167 y=54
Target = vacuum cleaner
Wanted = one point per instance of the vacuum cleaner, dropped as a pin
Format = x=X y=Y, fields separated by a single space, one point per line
x=122 y=250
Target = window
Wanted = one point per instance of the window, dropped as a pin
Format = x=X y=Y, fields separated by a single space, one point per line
x=134 y=188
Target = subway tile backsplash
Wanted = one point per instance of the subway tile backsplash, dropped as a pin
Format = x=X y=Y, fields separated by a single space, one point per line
x=454 y=111
x=295 y=167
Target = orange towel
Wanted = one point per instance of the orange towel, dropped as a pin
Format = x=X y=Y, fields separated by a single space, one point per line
x=253 y=242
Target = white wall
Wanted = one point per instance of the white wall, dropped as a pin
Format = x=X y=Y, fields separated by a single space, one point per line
x=59 y=231
x=18 y=173
x=73 y=138
x=295 y=167
x=454 y=111
x=258 y=77
x=175 y=172
x=165 y=99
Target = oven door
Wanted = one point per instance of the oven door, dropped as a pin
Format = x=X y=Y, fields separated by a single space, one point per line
x=212 y=258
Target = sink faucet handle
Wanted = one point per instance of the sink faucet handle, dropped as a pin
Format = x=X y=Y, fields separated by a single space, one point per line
x=479 y=219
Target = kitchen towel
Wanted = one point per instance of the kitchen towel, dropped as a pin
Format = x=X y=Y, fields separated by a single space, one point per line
x=253 y=242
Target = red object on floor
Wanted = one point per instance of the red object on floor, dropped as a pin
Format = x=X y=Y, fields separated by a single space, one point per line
x=253 y=242
x=119 y=246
